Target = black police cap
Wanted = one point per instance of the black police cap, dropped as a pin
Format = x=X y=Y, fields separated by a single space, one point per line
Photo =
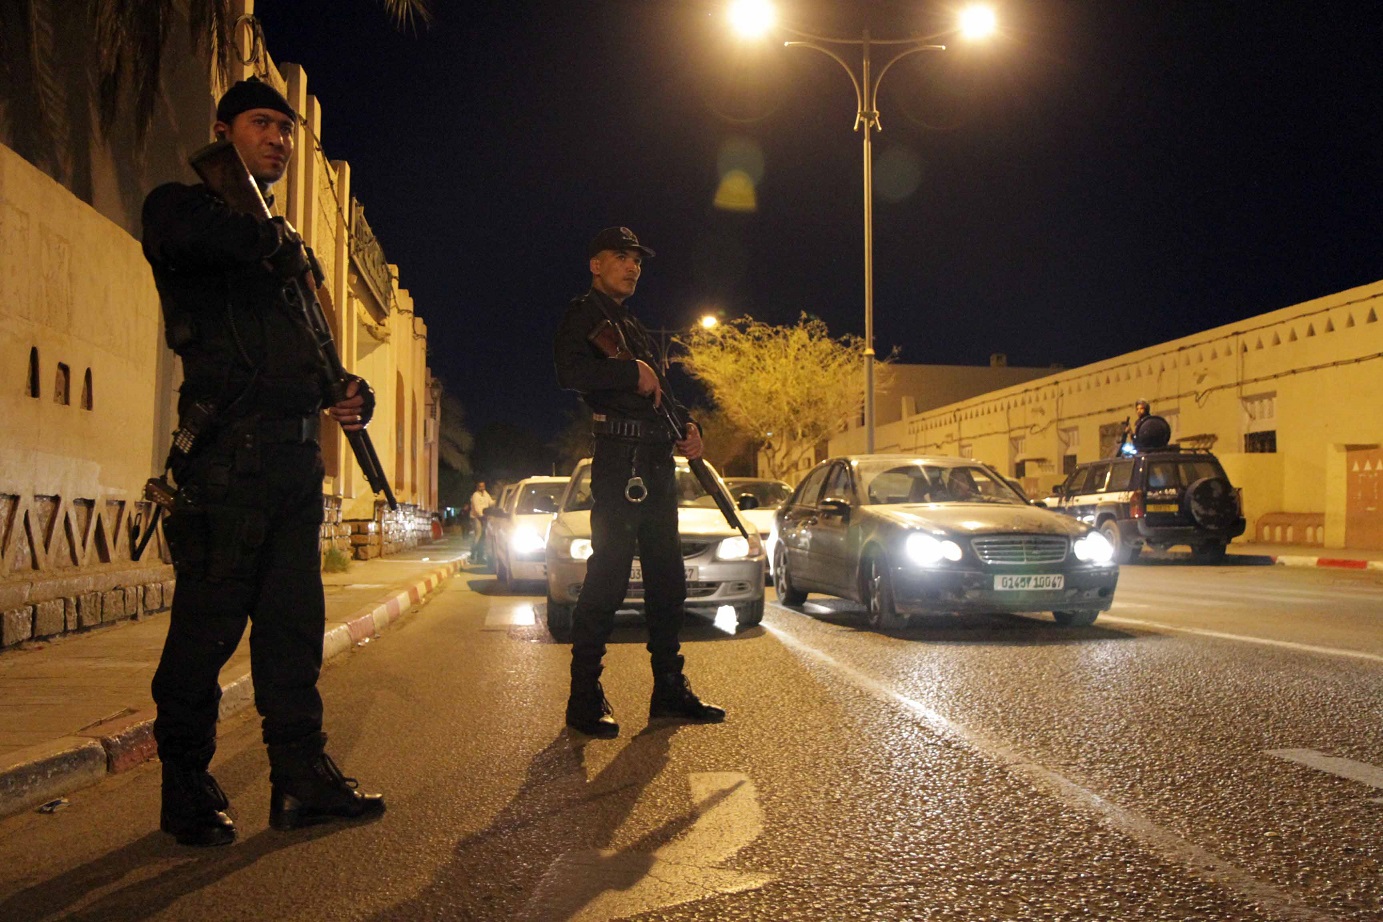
x=617 y=238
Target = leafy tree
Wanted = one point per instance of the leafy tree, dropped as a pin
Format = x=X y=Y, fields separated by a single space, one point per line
x=787 y=388
x=455 y=444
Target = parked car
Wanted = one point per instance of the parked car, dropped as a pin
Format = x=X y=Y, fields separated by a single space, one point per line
x=759 y=501
x=519 y=529
x=723 y=568
x=908 y=535
x=1156 y=498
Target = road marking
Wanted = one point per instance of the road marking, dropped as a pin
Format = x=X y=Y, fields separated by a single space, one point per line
x=602 y=885
x=503 y=614
x=1192 y=858
x=1244 y=638
x=1362 y=772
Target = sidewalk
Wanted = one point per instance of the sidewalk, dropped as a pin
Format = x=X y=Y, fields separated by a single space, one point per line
x=1292 y=555
x=79 y=708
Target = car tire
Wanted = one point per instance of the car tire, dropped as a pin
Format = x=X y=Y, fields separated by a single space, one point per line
x=749 y=613
x=878 y=595
x=502 y=576
x=1075 y=618
x=1208 y=553
x=1123 y=552
x=559 y=620
x=1212 y=503
x=788 y=594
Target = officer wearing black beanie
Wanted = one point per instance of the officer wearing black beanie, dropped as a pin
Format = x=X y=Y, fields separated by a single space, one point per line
x=245 y=525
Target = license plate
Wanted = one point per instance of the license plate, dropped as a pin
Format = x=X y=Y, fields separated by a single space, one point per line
x=1162 y=507
x=1030 y=581
x=636 y=573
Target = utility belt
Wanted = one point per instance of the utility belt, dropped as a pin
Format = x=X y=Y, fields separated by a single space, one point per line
x=292 y=429
x=652 y=431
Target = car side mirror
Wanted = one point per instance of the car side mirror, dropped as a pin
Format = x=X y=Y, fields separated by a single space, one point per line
x=834 y=505
x=1056 y=490
x=748 y=501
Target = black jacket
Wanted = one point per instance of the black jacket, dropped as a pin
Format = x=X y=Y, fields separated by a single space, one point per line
x=223 y=313
x=609 y=386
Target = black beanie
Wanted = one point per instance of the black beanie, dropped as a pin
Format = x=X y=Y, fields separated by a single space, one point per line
x=251 y=94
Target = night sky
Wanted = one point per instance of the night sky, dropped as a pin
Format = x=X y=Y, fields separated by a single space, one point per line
x=1104 y=175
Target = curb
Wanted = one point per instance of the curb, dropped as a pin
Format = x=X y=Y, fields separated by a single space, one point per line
x=39 y=774
x=1342 y=563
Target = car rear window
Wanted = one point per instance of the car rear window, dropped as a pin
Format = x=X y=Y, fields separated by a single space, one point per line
x=1172 y=473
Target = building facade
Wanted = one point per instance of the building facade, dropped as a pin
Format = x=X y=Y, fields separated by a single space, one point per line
x=1287 y=400
x=87 y=403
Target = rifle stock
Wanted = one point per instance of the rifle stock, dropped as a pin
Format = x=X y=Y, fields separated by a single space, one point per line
x=219 y=165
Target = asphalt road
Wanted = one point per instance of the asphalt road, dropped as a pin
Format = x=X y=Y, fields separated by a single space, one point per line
x=1210 y=749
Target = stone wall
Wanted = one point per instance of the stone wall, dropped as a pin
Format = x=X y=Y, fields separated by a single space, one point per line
x=37 y=610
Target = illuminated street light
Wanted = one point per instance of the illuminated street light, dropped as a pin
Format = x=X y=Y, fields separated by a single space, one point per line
x=755 y=17
x=752 y=18
x=709 y=322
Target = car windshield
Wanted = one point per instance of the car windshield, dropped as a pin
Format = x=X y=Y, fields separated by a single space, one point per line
x=893 y=482
x=689 y=490
x=767 y=492
x=539 y=498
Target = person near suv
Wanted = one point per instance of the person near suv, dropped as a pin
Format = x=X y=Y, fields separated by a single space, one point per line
x=1157 y=498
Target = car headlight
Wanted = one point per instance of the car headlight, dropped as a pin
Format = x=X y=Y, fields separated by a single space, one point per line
x=526 y=540
x=928 y=550
x=1094 y=548
x=738 y=547
x=573 y=548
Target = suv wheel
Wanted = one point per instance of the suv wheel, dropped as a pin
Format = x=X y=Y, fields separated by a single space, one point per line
x=1123 y=553
x=1211 y=503
x=1208 y=553
x=878 y=595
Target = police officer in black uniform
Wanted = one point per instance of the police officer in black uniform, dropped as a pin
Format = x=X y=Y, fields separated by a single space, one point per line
x=631 y=442
x=245 y=525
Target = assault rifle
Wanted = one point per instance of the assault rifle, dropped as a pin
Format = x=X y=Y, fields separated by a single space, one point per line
x=609 y=339
x=224 y=172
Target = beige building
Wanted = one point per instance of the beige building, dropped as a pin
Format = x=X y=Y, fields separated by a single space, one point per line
x=87 y=406
x=1287 y=400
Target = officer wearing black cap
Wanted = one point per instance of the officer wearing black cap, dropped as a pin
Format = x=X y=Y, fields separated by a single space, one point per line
x=244 y=529
x=630 y=440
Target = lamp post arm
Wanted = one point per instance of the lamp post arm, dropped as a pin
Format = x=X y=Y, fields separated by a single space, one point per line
x=873 y=89
x=855 y=81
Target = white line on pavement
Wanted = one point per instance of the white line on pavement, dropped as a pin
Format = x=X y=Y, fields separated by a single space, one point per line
x=1194 y=859
x=1362 y=772
x=1244 y=638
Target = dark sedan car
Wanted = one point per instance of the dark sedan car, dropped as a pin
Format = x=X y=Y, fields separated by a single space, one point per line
x=910 y=535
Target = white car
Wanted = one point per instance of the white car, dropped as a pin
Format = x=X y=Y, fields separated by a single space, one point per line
x=723 y=568
x=758 y=500
x=520 y=535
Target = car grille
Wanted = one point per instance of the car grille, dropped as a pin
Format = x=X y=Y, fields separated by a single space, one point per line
x=692 y=549
x=1020 y=548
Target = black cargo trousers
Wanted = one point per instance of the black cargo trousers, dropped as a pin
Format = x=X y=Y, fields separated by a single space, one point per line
x=619 y=529
x=245 y=538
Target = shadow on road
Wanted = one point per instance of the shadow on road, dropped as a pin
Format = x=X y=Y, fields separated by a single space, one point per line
x=494 y=873
x=992 y=629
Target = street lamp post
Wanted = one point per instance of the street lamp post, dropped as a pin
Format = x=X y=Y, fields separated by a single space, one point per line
x=756 y=15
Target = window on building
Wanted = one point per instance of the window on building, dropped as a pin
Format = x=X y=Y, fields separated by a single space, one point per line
x=1069 y=439
x=87 y=397
x=966 y=450
x=62 y=385
x=31 y=385
x=1260 y=423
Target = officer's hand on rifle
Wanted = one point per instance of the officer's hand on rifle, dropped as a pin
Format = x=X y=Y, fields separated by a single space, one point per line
x=289 y=261
x=354 y=412
x=690 y=447
x=648 y=382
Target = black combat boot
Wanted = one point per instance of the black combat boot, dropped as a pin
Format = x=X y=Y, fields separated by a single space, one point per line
x=673 y=697
x=308 y=788
x=194 y=807
x=589 y=711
